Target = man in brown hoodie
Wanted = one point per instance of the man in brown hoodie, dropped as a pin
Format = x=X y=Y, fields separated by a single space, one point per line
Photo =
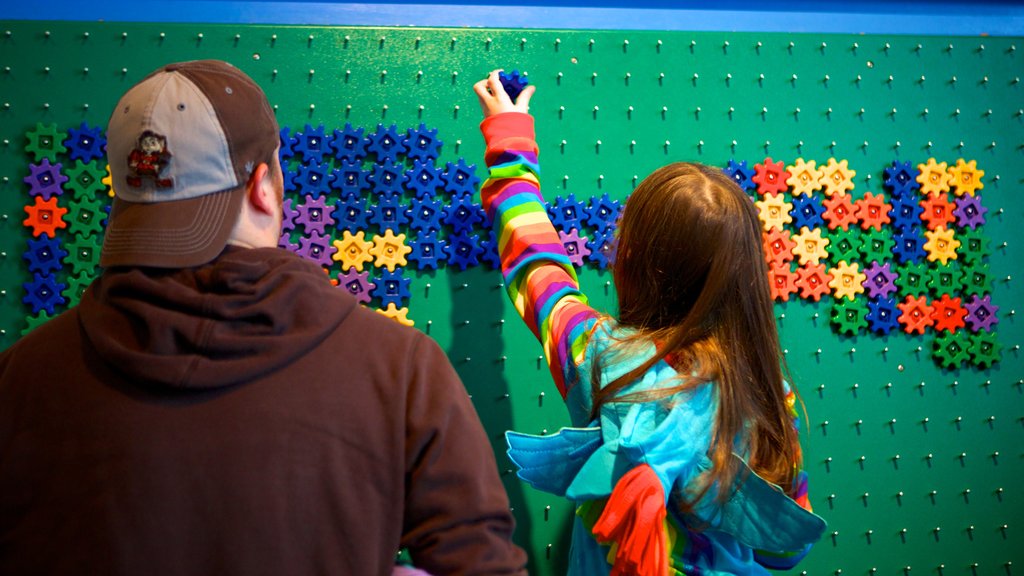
x=213 y=405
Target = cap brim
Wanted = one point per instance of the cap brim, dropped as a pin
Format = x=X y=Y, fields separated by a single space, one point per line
x=176 y=234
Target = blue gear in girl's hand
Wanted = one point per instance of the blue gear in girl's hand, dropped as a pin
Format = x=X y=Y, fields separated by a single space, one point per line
x=463 y=250
x=460 y=178
x=349 y=179
x=312 y=143
x=740 y=174
x=386 y=144
x=422 y=143
x=314 y=178
x=567 y=213
x=514 y=83
x=490 y=248
x=462 y=214
x=906 y=211
x=424 y=178
x=388 y=213
x=85 y=143
x=602 y=213
x=428 y=251
x=351 y=214
x=288 y=143
x=807 y=211
x=602 y=248
x=425 y=215
x=349 y=144
x=392 y=288
x=882 y=315
x=44 y=254
x=901 y=178
x=387 y=179
x=908 y=245
x=43 y=293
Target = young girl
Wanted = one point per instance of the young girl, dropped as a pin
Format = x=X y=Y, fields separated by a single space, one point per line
x=684 y=456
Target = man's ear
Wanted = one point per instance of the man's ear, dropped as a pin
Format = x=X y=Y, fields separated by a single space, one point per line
x=259 y=189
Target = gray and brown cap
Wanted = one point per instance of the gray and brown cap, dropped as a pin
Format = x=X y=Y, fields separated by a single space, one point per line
x=181 y=145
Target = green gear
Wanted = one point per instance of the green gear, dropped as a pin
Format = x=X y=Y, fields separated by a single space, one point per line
x=33 y=322
x=877 y=246
x=85 y=179
x=77 y=285
x=950 y=349
x=974 y=246
x=984 y=349
x=945 y=279
x=977 y=279
x=83 y=254
x=45 y=142
x=85 y=216
x=845 y=245
x=913 y=278
x=849 y=316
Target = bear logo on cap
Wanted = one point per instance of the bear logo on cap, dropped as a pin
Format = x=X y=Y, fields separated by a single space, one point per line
x=148 y=159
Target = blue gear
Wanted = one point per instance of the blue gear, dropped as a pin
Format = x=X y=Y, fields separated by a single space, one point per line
x=388 y=213
x=85 y=143
x=882 y=315
x=807 y=211
x=387 y=179
x=44 y=254
x=312 y=143
x=906 y=211
x=740 y=174
x=462 y=214
x=351 y=214
x=909 y=245
x=567 y=213
x=901 y=178
x=288 y=143
x=514 y=83
x=422 y=144
x=424 y=179
x=602 y=248
x=350 y=180
x=350 y=143
x=392 y=288
x=428 y=251
x=44 y=293
x=291 y=175
x=460 y=178
x=425 y=215
x=602 y=213
x=386 y=144
x=463 y=250
x=314 y=178
x=490 y=255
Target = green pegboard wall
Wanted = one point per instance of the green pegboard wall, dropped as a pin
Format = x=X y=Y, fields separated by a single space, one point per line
x=914 y=464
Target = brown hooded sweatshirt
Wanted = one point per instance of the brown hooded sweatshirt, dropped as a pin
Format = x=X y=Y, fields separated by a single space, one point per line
x=242 y=417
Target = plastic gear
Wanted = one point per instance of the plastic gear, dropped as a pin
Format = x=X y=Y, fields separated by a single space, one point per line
x=950 y=350
x=427 y=250
x=388 y=214
x=462 y=214
x=76 y=287
x=424 y=179
x=85 y=143
x=45 y=142
x=906 y=212
x=567 y=213
x=349 y=144
x=288 y=215
x=490 y=251
x=44 y=293
x=882 y=315
x=83 y=254
x=290 y=175
x=513 y=82
x=969 y=212
x=602 y=213
x=849 y=316
x=602 y=248
x=389 y=250
x=948 y=314
x=807 y=212
x=85 y=217
x=908 y=245
x=312 y=143
x=288 y=142
x=392 y=288
x=386 y=144
x=965 y=177
x=879 y=280
x=944 y=280
x=813 y=281
x=314 y=215
x=937 y=211
x=810 y=246
x=836 y=177
x=352 y=250
x=425 y=215
x=285 y=242
x=805 y=178
x=317 y=247
x=941 y=245
x=575 y=246
x=934 y=177
x=387 y=180
x=460 y=178
x=45 y=179
x=773 y=210
x=463 y=250
x=740 y=174
x=782 y=281
x=847 y=280
x=770 y=177
x=873 y=211
x=839 y=212
x=351 y=214
x=349 y=179
x=45 y=217
x=33 y=322
x=984 y=350
x=85 y=179
x=901 y=178
x=314 y=178
x=357 y=284
x=846 y=245
x=422 y=144
x=913 y=279
x=877 y=246
x=400 y=315
x=778 y=247
x=976 y=280
x=915 y=314
x=44 y=255
x=982 y=314
x=974 y=247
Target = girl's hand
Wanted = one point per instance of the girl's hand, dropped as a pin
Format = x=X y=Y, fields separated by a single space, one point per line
x=494 y=99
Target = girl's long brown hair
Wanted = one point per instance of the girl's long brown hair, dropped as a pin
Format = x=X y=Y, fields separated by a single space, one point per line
x=691 y=276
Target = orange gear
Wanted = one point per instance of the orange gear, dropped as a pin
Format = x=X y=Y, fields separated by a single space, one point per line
x=45 y=217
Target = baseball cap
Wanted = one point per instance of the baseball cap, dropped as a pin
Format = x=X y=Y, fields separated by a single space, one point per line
x=181 y=145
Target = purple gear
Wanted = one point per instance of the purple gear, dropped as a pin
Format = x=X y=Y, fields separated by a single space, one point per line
x=567 y=213
x=807 y=211
x=44 y=254
x=425 y=214
x=314 y=178
x=969 y=212
x=575 y=246
x=350 y=143
x=422 y=144
x=462 y=214
x=882 y=315
x=463 y=250
x=288 y=215
x=602 y=213
x=392 y=288
x=514 y=83
x=490 y=248
x=981 y=313
x=388 y=213
x=318 y=248
x=428 y=251
x=85 y=143
x=740 y=174
x=357 y=284
x=288 y=143
x=285 y=241
x=43 y=293
x=312 y=143
x=424 y=178
x=879 y=280
x=906 y=211
x=908 y=245
x=45 y=179
x=387 y=179
x=460 y=178
x=315 y=215
x=602 y=249
x=350 y=180
x=901 y=178
x=386 y=144
x=351 y=214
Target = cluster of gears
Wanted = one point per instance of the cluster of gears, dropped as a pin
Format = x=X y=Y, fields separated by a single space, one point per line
x=367 y=205
x=913 y=259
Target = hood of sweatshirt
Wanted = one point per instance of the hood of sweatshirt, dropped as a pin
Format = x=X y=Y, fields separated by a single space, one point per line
x=248 y=313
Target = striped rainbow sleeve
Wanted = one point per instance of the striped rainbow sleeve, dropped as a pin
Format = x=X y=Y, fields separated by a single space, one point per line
x=539 y=277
